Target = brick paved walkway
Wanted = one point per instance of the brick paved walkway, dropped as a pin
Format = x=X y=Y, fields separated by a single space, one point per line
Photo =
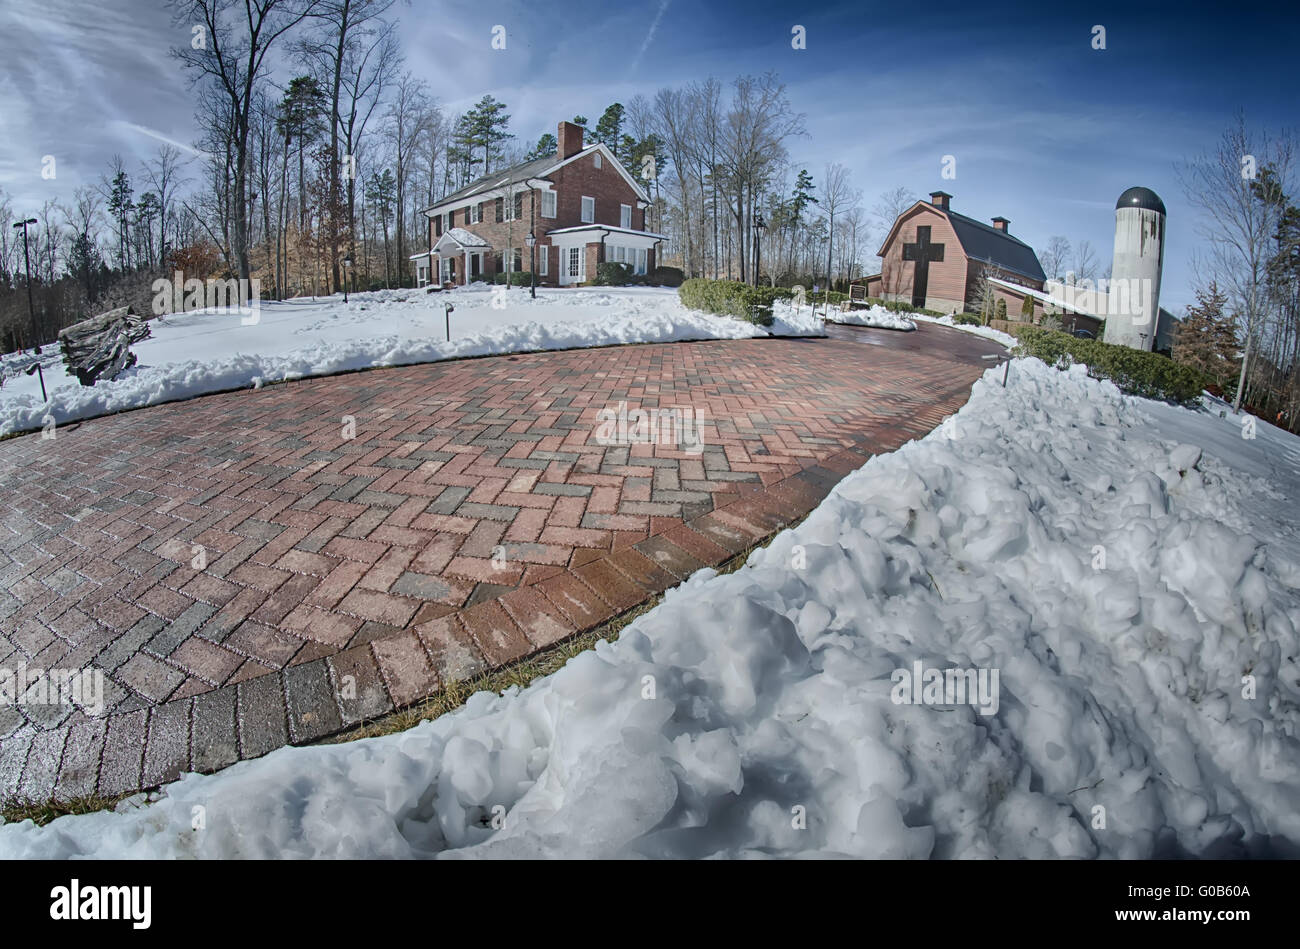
x=246 y=575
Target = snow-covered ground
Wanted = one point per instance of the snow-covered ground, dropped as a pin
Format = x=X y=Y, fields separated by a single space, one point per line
x=1006 y=339
x=874 y=316
x=1129 y=571
x=212 y=350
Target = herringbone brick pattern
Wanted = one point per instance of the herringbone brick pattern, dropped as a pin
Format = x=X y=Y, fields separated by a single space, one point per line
x=267 y=566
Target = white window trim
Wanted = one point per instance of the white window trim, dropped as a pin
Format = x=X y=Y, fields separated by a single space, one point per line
x=597 y=155
x=554 y=203
x=583 y=216
x=476 y=213
x=625 y=214
x=543 y=260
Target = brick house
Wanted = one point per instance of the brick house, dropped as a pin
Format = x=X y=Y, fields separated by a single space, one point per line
x=580 y=203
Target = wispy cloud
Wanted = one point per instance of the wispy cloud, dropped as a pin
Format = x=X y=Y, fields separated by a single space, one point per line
x=196 y=152
x=649 y=36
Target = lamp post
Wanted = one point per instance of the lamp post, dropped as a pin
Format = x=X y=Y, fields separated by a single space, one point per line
x=347 y=269
x=759 y=227
x=31 y=307
x=531 y=241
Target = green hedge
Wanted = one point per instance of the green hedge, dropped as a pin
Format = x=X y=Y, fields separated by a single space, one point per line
x=1135 y=371
x=666 y=277
x=732 y=298
x=519 y=278
x=613 y=273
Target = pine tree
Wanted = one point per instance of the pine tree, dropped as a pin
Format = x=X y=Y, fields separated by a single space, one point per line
x=1027 y=309
x=546 y=145
x=609 y=130
x=301 y=120
x=1207 y=338
x=487 y=123
x=381 y=193
x=799 y=201
x=460 y=153
x=1000 y=313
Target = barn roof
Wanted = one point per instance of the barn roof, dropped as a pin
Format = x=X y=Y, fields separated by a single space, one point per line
x=984 y=242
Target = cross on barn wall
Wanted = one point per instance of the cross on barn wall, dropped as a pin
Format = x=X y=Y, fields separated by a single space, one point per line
x=922 y=253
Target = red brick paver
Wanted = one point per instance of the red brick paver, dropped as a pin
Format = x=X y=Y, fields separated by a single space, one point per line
x=244 y=576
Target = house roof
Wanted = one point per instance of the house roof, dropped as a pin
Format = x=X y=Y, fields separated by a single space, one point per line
x=982 y=242
x=536 y=168
x=607 y=227
x=462 y=238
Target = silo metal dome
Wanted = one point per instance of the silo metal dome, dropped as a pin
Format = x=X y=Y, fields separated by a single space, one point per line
x=1143 y=198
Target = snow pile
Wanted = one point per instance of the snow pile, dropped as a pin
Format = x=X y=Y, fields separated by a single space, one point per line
x=211 y=350
x=1120 y=585
x=876 y=316
x=789 y=320
x=1006 y=339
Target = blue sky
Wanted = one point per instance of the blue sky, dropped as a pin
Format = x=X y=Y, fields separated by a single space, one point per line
x=1045 y=130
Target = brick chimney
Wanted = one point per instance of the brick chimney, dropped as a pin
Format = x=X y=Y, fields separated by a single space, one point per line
x=940 y=199
x=1001 y=224
x=569 y=140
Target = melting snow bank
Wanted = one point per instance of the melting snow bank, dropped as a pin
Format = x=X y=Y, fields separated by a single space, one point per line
x=1006 y=339
x=875 y=316
x=1118 y=583
x=206 y=351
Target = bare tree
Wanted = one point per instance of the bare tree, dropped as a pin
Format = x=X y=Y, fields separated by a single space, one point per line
x=1054 y=256
x=758 y=122
x=165 y=173
x=410 y=120
x=891 y=204
x=237 y=36
x=1237 y=226
x=1085 y=261
x=836 y=194
x=347 y=31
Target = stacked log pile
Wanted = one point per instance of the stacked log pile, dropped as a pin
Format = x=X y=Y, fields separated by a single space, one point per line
x=100 y=347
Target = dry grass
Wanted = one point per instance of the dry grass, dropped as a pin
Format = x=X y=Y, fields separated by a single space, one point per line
x=44 y=812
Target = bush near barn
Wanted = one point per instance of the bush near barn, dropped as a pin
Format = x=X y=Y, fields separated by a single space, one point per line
x=1134 y=371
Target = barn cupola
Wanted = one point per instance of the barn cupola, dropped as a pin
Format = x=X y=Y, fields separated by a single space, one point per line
x=940 y=199
x=1001 y=224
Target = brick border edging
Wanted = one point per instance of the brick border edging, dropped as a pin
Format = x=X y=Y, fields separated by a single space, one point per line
x=140 y=750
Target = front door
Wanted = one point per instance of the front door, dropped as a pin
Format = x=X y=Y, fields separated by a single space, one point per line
x=573 y=263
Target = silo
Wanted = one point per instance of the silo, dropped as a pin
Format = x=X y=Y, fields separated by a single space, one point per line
x=1133 y=304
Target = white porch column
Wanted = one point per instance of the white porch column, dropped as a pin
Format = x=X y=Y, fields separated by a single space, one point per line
x=465 y=275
